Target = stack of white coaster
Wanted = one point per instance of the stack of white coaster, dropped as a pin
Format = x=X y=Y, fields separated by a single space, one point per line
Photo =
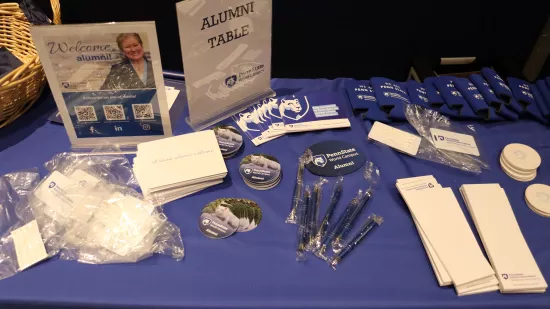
x=520 y=162
x=537 y=197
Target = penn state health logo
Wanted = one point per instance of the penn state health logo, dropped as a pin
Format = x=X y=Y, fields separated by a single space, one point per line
x=52 y=184
x=320 y=160
x=206 y=221
x=231 y=81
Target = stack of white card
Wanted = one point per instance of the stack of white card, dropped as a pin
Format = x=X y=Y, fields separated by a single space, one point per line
x=449 y=242
x=174 y=167
x=516 y=268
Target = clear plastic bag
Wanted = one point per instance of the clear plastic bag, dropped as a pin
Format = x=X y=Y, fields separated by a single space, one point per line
x=21 y=244
x=88 y=209
x=445 y=142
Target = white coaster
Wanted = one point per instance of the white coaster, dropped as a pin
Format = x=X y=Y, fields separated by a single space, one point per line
x=519 y=177
x=538 y=212
x=516 y=171
x=538 y=198
x=521 y=157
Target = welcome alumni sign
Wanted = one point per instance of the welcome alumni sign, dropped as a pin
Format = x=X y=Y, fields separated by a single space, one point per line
x=226 y=50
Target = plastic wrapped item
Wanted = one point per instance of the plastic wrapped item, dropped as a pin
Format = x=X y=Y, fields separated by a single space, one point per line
x=372 y=222
x=334 y=198
x=301 y=219
x=21 y=244
x=445 y=142
x=86 y=207
x=304 y=159
x=372 y=176
x=313 y=214
x=336 y=228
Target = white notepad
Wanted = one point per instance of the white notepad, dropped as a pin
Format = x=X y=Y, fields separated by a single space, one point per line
x=422 y=183
x=516 y=268
x=440 y=217
x=29 y=246
x=179 y=161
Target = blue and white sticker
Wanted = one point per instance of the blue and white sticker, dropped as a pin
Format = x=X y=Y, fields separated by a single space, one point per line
x=335 y=158
x=229 y=139
x=260 y=169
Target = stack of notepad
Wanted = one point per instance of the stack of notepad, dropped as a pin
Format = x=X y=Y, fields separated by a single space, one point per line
x=174 y=167
x=517 y=270
x=446 y=235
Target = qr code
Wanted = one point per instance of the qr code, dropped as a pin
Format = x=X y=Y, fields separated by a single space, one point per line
x=143 y=111
x=85 y=113
x=114 y=112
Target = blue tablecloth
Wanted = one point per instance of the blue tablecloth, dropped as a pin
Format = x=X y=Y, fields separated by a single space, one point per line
x=258 y=268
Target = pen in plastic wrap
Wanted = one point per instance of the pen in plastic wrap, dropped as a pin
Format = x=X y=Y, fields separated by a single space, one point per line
x=302 y=225
x=334 y=198
x=372 y=222
x=337 y=243
x=337 y=227
x=297 y=192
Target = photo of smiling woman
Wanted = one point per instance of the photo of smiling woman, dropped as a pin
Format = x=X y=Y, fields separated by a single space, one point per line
x=135 y=71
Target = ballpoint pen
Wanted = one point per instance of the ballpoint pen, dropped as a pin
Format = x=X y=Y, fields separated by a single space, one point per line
x=303 y=160
x=302 y=225
x=313 y=213
x=337 y=242
x=334 y=198
x=372 y=222
x=335 y=230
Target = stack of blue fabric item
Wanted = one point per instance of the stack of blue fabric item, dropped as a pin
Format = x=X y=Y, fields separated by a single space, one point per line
x=484 y=96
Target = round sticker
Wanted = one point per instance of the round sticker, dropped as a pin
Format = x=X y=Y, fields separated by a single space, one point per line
x=538 y=197
x=217 y=221
x=260 y=169
x=521 y=157
x=229 y=139
x=224 y=216
x=335 y=158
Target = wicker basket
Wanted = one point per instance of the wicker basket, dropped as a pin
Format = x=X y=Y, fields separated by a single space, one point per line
x=20 y=88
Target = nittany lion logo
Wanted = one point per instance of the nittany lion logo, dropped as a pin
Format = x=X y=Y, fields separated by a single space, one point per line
x=231 y=81
x=543 y=197
x=52 y=184
x=320 y=160
x=520 y=154
x=65 y=84
x=206 y=221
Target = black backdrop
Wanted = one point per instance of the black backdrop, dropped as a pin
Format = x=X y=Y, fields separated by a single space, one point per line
x=356 y=38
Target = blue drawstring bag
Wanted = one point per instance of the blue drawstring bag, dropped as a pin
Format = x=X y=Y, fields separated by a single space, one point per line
x=491 y=98
x=391 y=97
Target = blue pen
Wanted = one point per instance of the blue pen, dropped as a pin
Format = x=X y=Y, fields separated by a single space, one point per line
x=335 y=197
x=302 y=225
x=337 y=243
x=372 y=222
x=337 y=227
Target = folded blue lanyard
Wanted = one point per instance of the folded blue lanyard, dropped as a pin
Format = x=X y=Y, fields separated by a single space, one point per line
x=491 y=98
x=391 y=96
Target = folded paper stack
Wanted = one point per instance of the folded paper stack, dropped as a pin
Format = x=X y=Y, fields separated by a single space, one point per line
x=174 y=167
x=516 y=268
x=446 y=235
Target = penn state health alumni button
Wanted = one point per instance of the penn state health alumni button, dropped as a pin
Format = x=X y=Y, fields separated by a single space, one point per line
x=335 y=158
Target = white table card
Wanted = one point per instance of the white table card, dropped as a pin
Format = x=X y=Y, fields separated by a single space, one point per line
x=226 y=49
